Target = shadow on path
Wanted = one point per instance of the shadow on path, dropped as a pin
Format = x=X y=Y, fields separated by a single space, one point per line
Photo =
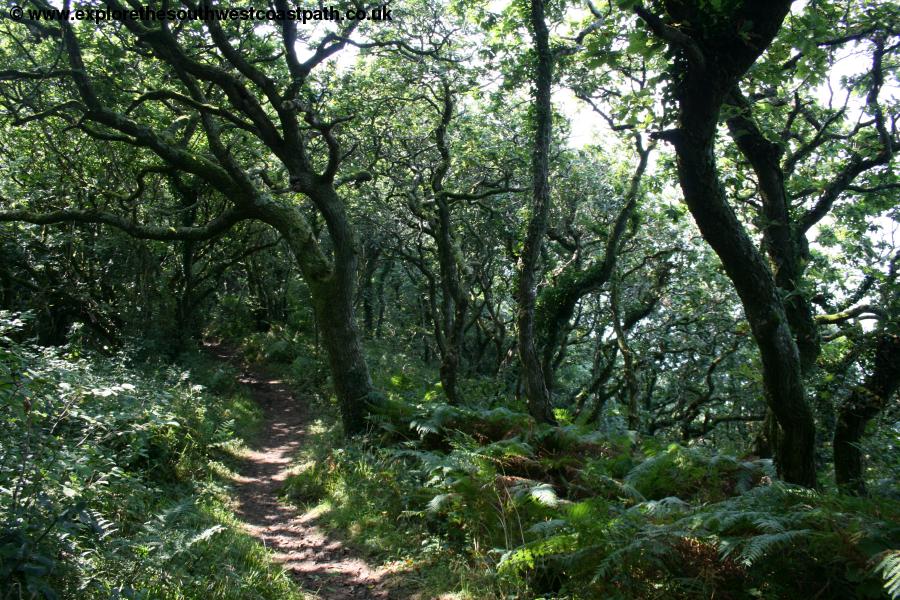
x=321 y=565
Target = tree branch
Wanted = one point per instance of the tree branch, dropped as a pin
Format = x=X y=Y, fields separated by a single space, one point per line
x=214 y=228
x=862 y=311
x=673 y=36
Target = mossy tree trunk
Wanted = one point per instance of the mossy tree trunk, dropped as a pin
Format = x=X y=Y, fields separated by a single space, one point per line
x=536 y=392
x=710 y=62
x=332 y=285
x=860 y=407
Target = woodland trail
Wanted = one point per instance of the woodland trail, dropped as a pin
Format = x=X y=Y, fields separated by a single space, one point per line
x=320 y=564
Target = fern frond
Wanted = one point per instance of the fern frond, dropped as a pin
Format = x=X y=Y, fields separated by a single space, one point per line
x=548 y=527
x=761 y=545
x=670 y=505
x=205 y=535
x=889 y=567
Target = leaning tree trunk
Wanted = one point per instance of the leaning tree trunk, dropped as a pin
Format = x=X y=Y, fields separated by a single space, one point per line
x=713 y=56
x=331 y=284
x=863 y=404
x=784 y=242
x=558 y=301
x=753 y=281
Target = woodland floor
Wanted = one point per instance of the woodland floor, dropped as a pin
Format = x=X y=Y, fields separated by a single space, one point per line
x=321 y=565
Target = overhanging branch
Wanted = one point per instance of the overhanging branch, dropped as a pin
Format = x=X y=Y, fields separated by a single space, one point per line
x=214 y=228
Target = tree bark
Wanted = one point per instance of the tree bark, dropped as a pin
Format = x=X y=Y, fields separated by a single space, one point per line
x=454 y=302
x=712 y=59
x=331 y=284
x=785 y=245
x=556 y=303
x=536 y=393
x=863 y=404
x=333 y=305
x=454 y=297
x=755 y=285
x=631 y=389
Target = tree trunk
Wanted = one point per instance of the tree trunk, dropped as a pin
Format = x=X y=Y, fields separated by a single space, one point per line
x=536 y=393
x=450 y=327
x=379 y=296
x=752 y=279
x=631 y=390
x=185 y=315
x=759 y=295
x=863 y=404
x=454 y=302
x=557 y=302
x=449 y=375
x=784 y=243
x=712 y=58
x=366 y=291
x=333 y=305
x=331 y=284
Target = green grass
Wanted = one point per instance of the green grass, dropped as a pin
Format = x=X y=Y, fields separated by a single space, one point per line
x=370 y=498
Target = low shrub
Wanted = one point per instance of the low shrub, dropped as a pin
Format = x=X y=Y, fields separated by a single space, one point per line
x=690 y=473
x=567 y=512
x=106 y=486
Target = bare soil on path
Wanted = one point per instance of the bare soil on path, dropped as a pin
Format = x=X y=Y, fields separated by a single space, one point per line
x=320 y=564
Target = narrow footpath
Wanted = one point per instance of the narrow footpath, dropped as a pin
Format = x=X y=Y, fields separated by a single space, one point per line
x=321 y=565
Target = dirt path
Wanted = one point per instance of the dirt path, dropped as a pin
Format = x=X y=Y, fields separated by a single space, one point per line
x=321 y=565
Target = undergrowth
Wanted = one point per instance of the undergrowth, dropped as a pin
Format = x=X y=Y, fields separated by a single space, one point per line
x=482 y=502
x=110 y=479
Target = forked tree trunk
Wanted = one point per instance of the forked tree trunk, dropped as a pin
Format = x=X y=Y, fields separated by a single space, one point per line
x=863 y=404
x=785 y=244
x=755 y=285
x=450 y=325
x=713 y=59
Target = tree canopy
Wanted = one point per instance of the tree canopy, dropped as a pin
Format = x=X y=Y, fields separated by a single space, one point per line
x=673 y=220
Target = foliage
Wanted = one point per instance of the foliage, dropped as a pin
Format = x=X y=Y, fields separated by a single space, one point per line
x=718 y=284
x=575 y=513
x=107 y=481
x=889 y=567
x=691 y=474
